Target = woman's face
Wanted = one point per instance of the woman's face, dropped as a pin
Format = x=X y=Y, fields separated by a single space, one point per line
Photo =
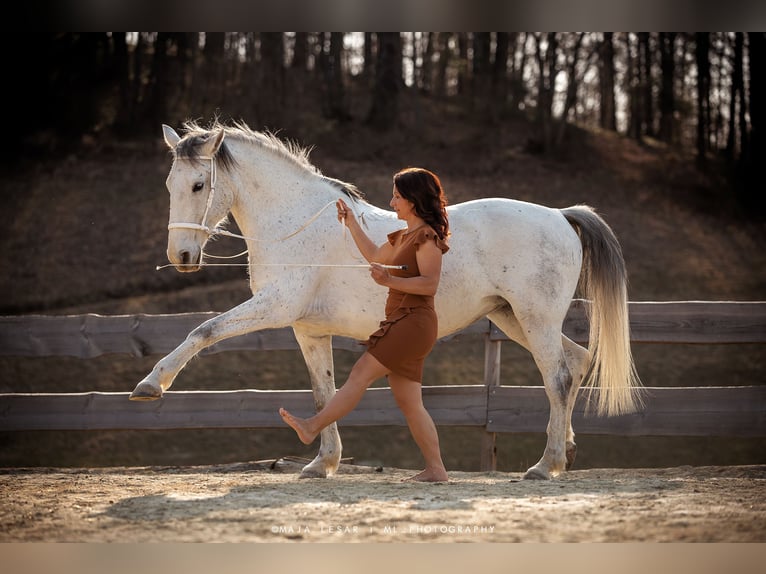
x=403 y=207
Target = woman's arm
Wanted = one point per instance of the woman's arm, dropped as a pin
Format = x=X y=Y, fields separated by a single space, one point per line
x=369 y=250
x=429 y=257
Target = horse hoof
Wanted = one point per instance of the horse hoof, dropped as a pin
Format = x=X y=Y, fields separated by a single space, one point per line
x=571 y=454
x=146 y=391
x=309 y=472
x=536 y=474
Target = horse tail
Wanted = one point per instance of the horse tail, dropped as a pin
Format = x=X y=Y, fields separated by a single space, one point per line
x=603 y=281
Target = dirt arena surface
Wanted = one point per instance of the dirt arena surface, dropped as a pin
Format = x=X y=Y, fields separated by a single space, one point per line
x=267 y=502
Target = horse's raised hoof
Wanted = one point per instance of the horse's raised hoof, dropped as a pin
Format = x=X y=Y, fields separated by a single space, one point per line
x=146 y=391
x=535 y=473
x=571 y=454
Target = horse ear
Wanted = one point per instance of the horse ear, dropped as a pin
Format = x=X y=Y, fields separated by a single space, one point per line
x=171 y=137
x=217 y=141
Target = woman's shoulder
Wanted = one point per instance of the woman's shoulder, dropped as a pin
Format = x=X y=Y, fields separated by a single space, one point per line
x=427 y=233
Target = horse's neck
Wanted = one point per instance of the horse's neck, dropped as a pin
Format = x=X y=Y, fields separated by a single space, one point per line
x=272 y=199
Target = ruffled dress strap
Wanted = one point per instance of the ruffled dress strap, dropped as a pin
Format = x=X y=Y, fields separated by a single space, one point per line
x=425 y=234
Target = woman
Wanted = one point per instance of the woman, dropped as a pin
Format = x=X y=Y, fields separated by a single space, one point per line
x=398 y=349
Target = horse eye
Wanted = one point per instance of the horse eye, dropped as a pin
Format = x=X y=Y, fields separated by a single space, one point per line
x=198 y=186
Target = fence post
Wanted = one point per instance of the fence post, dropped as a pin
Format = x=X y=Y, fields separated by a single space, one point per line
x=491 y=381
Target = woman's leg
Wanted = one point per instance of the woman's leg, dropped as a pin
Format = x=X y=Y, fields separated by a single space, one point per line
x=365 y=372
x=409 y=397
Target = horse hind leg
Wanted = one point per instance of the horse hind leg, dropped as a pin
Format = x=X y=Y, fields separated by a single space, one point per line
x=317 y=353
x=543 y=339
x=578 y=361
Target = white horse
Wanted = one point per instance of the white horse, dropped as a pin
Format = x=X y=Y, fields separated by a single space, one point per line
x=517 y=263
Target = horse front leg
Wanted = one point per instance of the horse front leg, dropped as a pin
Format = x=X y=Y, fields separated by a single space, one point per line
x=317 y=352
x=256 y=313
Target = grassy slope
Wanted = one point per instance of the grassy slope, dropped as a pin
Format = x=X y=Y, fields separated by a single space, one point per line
x=84 y=234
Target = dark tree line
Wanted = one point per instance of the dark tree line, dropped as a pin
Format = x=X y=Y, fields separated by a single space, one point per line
x=702 y=91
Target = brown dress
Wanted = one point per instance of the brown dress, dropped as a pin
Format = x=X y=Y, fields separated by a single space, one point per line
x=409 y=331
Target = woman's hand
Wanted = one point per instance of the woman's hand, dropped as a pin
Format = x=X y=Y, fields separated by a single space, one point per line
x=379 y=274
x=345 y=214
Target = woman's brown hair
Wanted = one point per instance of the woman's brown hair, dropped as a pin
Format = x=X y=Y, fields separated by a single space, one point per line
x=425 y=191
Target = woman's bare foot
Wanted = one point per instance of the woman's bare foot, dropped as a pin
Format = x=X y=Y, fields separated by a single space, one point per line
x=299 y=425
x=429 y=475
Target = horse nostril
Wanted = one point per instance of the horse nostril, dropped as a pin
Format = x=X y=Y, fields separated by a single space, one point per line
x=185 y=257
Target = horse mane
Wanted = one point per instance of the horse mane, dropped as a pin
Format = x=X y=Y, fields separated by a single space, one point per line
x=195 y=136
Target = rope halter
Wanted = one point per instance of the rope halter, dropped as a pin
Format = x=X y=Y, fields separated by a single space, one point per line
x=217 y=231
x=201 y=226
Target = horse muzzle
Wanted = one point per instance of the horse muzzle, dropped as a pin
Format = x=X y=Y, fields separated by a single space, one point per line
x=186 y=260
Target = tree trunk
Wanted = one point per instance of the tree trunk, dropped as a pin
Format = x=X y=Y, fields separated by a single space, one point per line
x=482 y=77
x=744 y=140
x=572 y=84
x=633 y=89
x=500 y=75
x=753 y=173
x=462 y=70
x=300 y=52
x=646 y=82
x=737 y=86
x=388 y=77
x=211 y=80
x=271 y=80
x=336 y=93
x=440 y=82
x=702 y=56
x=546 y=64
x=667 y=93
x=122 y=71
x=156 y=111
x=427 y=70
x=607 y=108
x=368 y=69
x=518 y=86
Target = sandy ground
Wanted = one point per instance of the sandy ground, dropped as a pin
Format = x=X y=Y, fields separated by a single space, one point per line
x=267 y=502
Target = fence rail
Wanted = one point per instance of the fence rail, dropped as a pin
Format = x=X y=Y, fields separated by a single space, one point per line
x=689 y=411
x=88 y=336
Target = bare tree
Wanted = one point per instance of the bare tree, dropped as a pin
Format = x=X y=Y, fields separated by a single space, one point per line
x=271 y=79
x=427 y=69
x=546 y=54
x=572 y=55
x=702 y=56
x=755 y=150
x=337 y=102
x=737 y=102
x=607 y=108
x=499 y=96
x=481 y=76
x=388 y=78
x=667 y=88
x=444 y=53
x=519 y=58
x=300 y=52
x=646 y=82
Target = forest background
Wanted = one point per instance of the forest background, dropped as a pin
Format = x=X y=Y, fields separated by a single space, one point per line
x=662 y=132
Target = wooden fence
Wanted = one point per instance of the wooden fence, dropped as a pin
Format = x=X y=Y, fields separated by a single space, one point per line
x=670 y=411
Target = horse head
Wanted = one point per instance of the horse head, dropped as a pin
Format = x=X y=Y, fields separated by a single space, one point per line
x=196 y=205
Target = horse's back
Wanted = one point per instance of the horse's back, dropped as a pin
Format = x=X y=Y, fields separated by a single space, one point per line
x=505 y=251
x=498 y=230
x=519 y=215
